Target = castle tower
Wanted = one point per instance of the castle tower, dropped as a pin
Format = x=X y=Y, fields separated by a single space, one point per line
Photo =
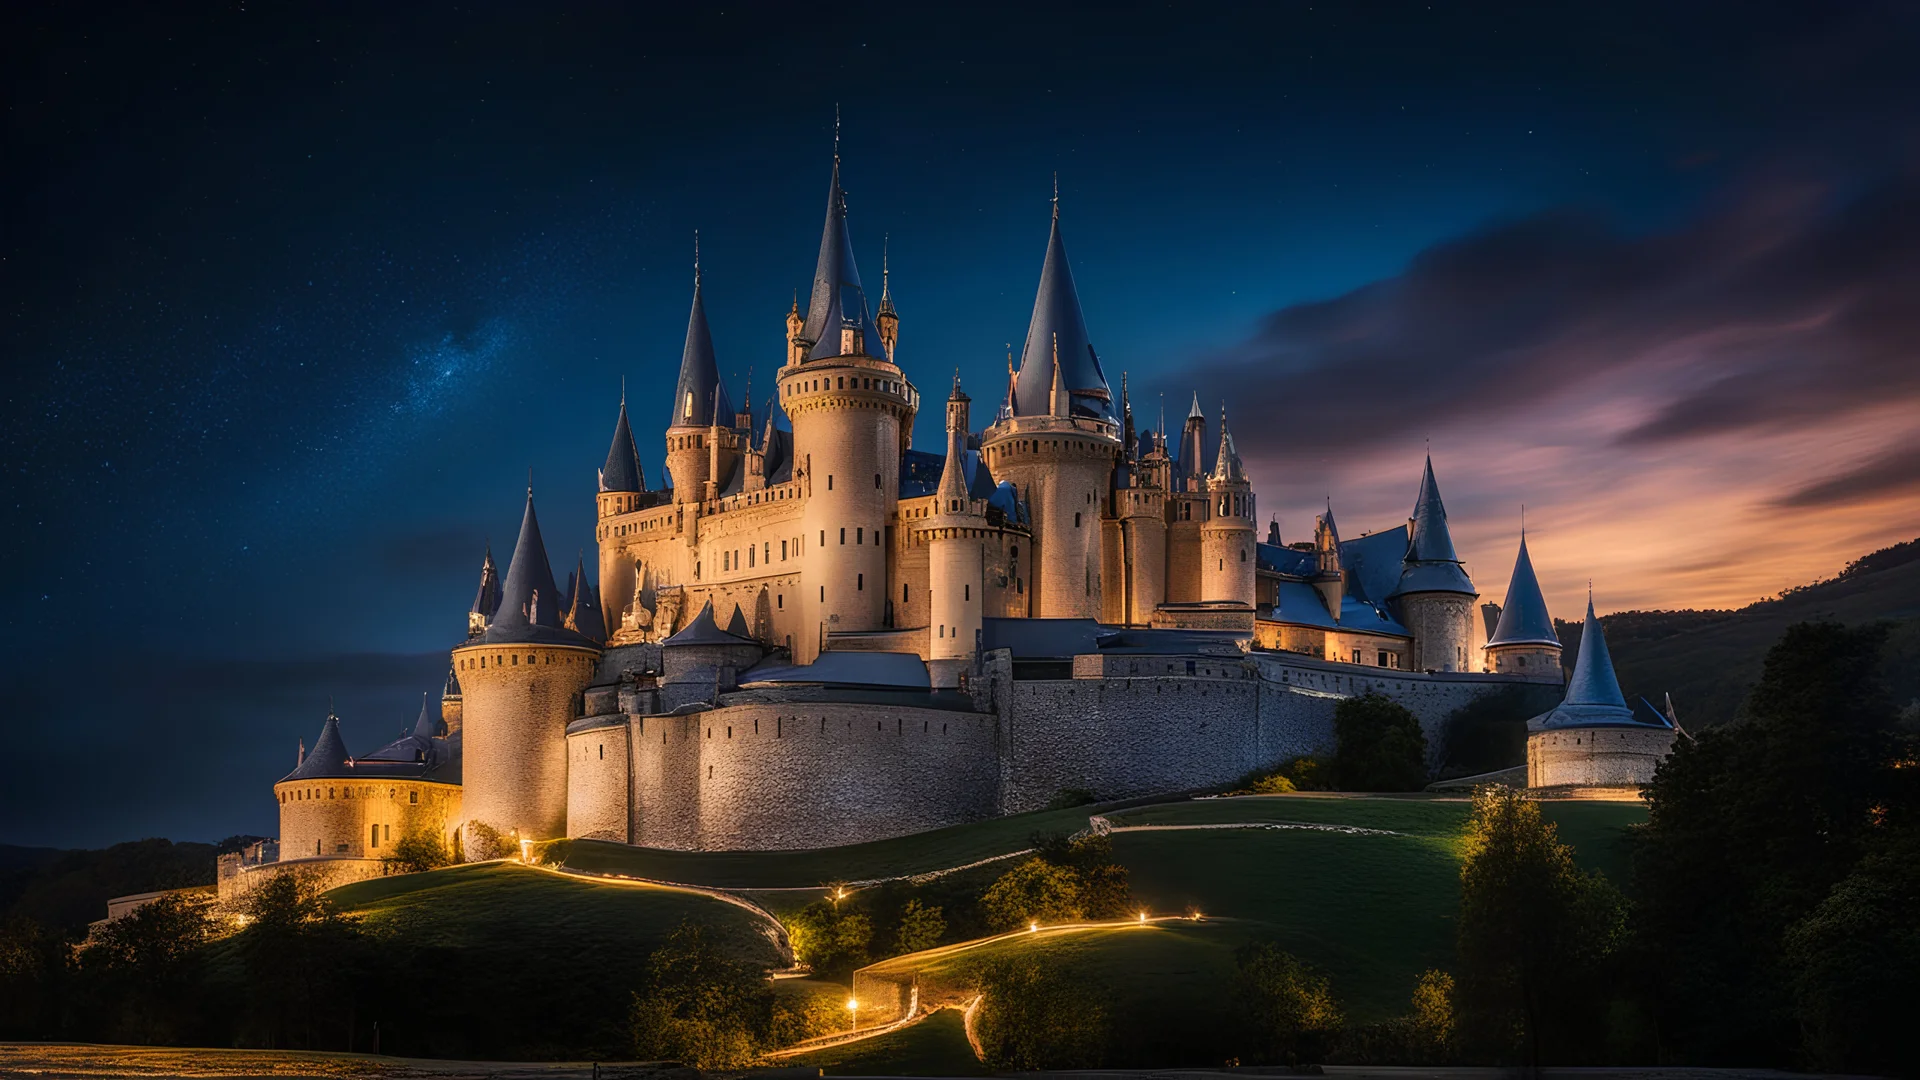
x=700 y=406
x=888 y=320
x=521 y=680
x=1329 y=577
x=1187 y=510
x=954 y=535
x=487 y=600
x=1058 y=443
x=852 y=411
x=1140 y=510
x=1594 y=738
x=1523 y=642
x=622 y=487
x=1227 y=559
x=450 y=710
x=1436 y=596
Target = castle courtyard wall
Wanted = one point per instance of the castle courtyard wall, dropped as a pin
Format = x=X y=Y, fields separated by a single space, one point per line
x=1597 y=756
x=599 y=780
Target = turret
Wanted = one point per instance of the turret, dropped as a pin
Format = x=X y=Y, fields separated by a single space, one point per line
x=699 y=405
x=1193 y=441
x=451 y=712
x=1140 y=526
x=1329 y=576
x=851 y=411
x=1523 y=641
x=888 y=320
x=521 y=680
x=1057 y=442
x=955 y=535
x=621 y=479
x=1227 y=560
x=1435 y=595
x=487 y=600
x=1594 y=738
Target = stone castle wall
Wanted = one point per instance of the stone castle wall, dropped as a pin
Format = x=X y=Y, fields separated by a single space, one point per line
x=338 y=818
x=785 y=775
x=1596 y=757
x=518 y=701
x=599 y=780
x=1442 y=626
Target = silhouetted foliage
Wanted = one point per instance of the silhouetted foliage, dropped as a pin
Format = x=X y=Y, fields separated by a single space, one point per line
x=1489 y=733
x=832 y=937
x=1033 y=1017
x=1287 y=1009
x=1378 y=746
x=699 y=1007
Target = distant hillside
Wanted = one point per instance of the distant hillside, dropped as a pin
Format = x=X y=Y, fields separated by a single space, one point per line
x=1709 y=660
x=69 y=889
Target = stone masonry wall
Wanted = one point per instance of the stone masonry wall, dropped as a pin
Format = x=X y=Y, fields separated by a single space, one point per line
x=519 y=700
x=1596 y=757
x=599 y=783
x=778 y=776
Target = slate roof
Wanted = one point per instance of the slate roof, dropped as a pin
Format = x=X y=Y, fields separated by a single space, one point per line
x=838 y=299
x=452 y=689
x=1277 y=559
x=1227 y=462
x=1523 y=617
x=486 y=600
x=920 y=474
x=530 y=601
x=622 y=470
x=703 y=630
x=737 y=625
x=1431 y=564
x=584 y=609
x=328 y=758
x=1059 y=326
x=1373 y=563
x=1593 y=693
x=699 y=374
x=1300 y=604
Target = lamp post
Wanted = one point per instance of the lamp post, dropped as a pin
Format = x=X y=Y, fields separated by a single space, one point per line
x=853 y=1015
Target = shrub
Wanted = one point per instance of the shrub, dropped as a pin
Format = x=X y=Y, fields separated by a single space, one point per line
x=1378 y=746
x=831 y=937
x=482 y=841
x=1286 y=1006
x=1274 y=784
x=1034 y=891
x=921 y=927
x=1308 y=774
x=698 y=1007
x=1032 y=1017
x=417 y=852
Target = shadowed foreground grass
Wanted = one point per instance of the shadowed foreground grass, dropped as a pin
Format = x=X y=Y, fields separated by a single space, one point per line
x=936 y=1046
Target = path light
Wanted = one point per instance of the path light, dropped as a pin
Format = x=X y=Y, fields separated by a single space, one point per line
x=1143 y=917
x=853 y=1014
x=1033 y=928
x=526 y=851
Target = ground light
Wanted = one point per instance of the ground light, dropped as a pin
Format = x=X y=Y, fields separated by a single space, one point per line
x=1033 y=928
x=1143 y=918
x=526 y=851
x=853 y=1014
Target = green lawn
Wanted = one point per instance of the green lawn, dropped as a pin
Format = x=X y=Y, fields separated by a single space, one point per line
x=916 y=854
x=531 y=963
x=936 y=1046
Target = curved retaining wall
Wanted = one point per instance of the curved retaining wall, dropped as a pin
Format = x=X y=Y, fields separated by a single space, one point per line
x=1596 y=757
x=777 y=776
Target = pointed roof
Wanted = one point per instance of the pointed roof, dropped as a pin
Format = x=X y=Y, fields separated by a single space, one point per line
x=1226 y=464
x=583 y=612
x=1194 y=413
x=1430 y=541
x=622 y=470
x=699 y=396
x=1593 y=693
x=703 y=630
x=737 y=625
x=838 y=297
x=452 y=688
x=1059 y=324
x=1430 y=564
x=1594 y=681
x=429 y=724
x=1523 y=618
x=486 y=601
x=530 y=601
x=328 y=758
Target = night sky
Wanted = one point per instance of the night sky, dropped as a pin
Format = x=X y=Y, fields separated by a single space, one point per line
x=295 y=296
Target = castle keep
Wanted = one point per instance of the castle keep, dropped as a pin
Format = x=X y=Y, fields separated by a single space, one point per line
x=809 y=632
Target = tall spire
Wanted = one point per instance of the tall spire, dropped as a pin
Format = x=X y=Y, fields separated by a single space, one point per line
x=951 y=496
x=1059 y=325
x=699 y=394
x=1523 y=618
x=529 y=597
x=838 y=299
x=1429 y=540
x=1226 y=464
x=622 y=470
x=487 y=600
x=1594 y=681
x=584 y=616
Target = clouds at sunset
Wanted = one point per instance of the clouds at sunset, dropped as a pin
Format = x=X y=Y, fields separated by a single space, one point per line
x=1667 y=403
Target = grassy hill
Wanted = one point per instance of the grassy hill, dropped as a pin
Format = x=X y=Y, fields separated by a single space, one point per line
x=1710 y=660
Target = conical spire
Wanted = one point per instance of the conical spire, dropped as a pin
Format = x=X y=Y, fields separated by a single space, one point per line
x=1594 y=681
x=622 y=470
x=328 y=757
x=1523 y=618
x=487 y=600
x=452 y=688
x=1059 y=326
x=838 y=300
x=583 y=612
x=1226 y=464
x=529 y=597
x=952 y=494
x=700 y=395
x=1194 y=413
x=1429 y=540
x=429 y=725
x=737 y=625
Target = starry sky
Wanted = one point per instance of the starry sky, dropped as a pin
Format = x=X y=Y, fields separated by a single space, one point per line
x=296 y=295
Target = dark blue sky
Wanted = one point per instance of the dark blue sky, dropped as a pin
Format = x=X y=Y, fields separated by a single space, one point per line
x=296 y=295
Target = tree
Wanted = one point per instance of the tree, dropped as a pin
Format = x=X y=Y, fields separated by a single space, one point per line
x=148 y=966
x=700 y=1007
x=1535 y=932
x=1490 y=732
x=1287 y=1006
x=1034 y=891
x=1750 y=828
x=1033 y=1017
x=1378 y=746
x=300 y=958
x=1431 y=1018
x=34 y=970
x=921 y=927
x=833 y=937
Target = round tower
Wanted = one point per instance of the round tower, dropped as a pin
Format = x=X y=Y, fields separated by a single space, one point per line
x=1435 y=595
x=851 y=412
x=520 y=685
x=1057 y=442
x=1227 y=557
x=954 y=535
x=1523 y=641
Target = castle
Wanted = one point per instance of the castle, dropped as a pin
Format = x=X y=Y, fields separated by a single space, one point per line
x=811 y=633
